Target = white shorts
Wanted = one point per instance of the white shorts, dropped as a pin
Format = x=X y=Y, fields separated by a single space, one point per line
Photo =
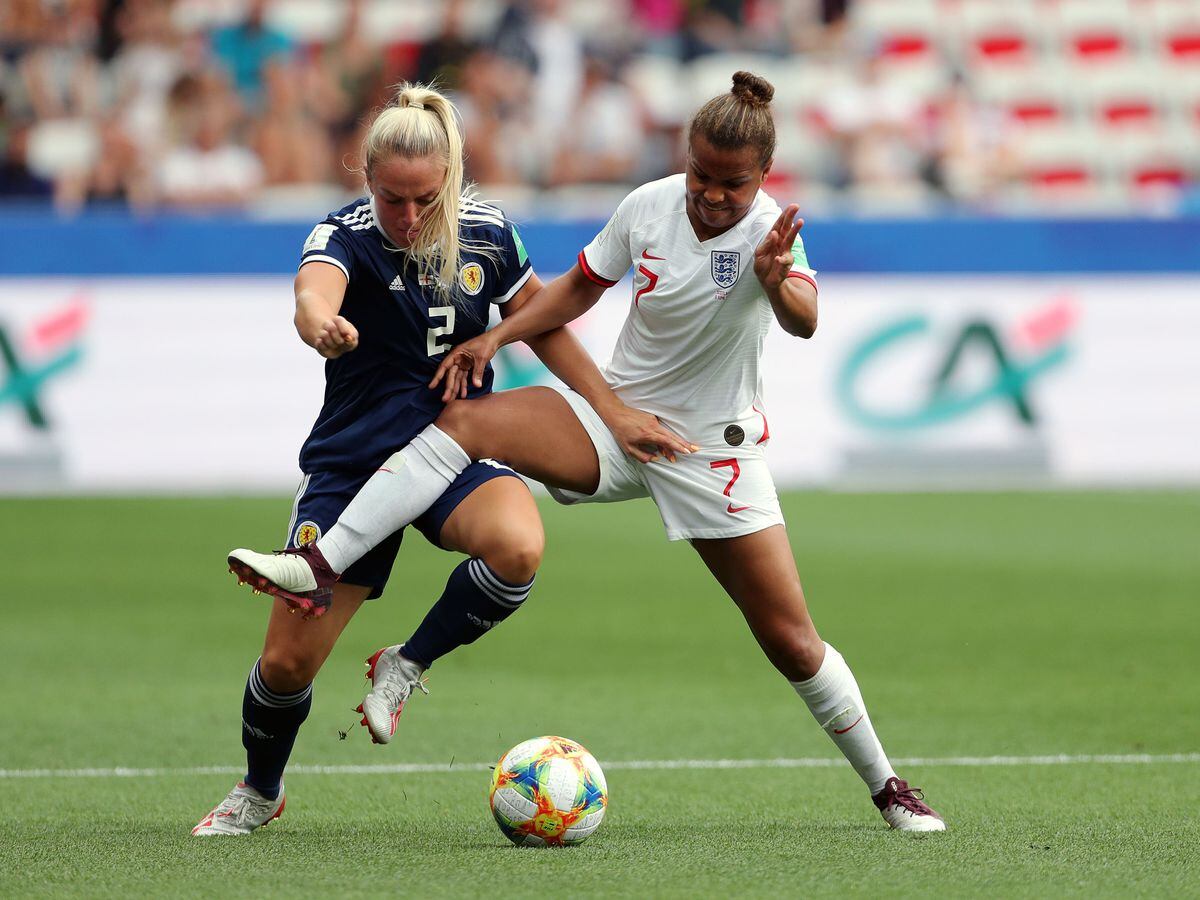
x=717 y=492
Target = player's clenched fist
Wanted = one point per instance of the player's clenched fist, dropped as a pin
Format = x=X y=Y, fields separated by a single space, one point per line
x=335 y=337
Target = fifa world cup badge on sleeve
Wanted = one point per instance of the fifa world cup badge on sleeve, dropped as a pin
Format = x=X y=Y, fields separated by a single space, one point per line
x=318 y=238
x=725 y=266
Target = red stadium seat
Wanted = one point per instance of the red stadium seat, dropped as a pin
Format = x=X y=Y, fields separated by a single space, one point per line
x=998 y=34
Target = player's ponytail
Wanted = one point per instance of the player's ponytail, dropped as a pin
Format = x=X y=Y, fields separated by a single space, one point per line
x=422 y=122
x=739 y=118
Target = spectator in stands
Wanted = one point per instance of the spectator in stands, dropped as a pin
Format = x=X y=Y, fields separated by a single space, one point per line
x=877 y=127
x=348 y=81
x=657 y=25
x=22 y=28
x=118 y=176
x=440 y=60
x=143 y=69
x=345 y=82
x=17 y=182
x=290 y=142
x=207 y=167
x=602 y=140
x=245 y=48
x=537 y=34
x=713 y=26
x=60 y=70
x=493 y=101
x=972 y=153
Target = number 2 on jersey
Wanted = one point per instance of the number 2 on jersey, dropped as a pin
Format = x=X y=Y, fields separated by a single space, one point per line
x=432 y=345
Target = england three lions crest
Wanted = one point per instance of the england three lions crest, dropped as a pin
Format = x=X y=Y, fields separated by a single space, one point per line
x=725 y=267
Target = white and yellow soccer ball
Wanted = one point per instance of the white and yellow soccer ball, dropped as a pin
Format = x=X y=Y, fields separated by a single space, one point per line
x=548 y=791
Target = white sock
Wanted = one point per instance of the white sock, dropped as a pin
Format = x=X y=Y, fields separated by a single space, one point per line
x=406 y=486
x=833 y=698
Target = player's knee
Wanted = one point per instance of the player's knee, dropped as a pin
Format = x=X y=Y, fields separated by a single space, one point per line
x=286 y=671
x=804 y=653
x=456 y=420
x=797 y=652
x=517 y=556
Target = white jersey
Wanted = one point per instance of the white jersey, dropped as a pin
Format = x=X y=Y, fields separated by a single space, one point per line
x=690 y=351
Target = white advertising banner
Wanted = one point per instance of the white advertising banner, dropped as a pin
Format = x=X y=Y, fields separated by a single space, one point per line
x=200 y=384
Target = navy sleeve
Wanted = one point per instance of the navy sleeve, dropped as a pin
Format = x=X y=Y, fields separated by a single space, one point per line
x=513 y=268
x=329 y=243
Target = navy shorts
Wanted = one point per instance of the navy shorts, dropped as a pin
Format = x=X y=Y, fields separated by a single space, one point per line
x=322 y=496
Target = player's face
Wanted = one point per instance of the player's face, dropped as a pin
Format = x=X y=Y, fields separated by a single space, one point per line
x=721 y=184
x=403 y=189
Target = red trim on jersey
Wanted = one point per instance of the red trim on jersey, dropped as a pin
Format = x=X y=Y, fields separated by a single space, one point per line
x=766 y=428
x=651 y=283
x=591 y=275
x=805 y=276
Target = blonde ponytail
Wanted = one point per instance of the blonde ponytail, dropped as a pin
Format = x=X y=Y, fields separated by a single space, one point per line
x=421 y=122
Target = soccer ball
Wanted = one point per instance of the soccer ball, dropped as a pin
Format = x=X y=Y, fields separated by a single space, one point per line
x=548 y=791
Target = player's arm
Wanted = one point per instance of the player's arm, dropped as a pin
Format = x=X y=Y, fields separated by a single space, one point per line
x=639 y=433
x=793 y=296
x=565 y=299
x=320 y=290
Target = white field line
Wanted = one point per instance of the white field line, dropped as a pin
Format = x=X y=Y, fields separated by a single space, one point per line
x=1142 y=759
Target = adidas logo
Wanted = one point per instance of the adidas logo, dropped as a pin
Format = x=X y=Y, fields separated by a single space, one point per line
x=397 y=284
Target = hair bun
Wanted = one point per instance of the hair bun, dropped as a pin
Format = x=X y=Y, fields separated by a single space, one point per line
x=752 y=89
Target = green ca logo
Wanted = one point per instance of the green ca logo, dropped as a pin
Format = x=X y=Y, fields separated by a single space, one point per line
x=55 y=339
x=943 y=402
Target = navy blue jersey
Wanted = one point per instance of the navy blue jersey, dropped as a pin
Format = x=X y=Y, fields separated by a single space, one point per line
x=377 y=397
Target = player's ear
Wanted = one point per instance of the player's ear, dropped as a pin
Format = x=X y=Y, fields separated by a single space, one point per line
x=766 y=170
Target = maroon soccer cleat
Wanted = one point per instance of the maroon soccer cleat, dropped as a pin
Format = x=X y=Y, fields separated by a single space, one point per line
x=904 y=808
x=300 y=577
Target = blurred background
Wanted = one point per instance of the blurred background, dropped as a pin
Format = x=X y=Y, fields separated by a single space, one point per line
x=1001 y=201
x=1001 y=197
x=882 y=105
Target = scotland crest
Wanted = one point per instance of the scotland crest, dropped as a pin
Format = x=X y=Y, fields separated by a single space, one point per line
x=725 y=265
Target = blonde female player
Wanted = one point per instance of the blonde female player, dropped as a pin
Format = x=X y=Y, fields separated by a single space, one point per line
x=386 y=286
x=689 y=353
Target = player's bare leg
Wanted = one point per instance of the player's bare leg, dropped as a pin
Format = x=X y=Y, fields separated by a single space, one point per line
x=759 y=572
x=295 y=648
x=278 y=695
x=498 y=522
x=498 y=527
x=533 y=429
x=498 y=426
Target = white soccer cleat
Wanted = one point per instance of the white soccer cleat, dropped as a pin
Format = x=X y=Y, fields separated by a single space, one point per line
x=904 y=808
x=393 y=678
x=299 y=576
x=242 y=811
x=286 y=570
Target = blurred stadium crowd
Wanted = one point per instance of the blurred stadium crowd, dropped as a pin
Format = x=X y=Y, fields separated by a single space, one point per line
x=882 y=105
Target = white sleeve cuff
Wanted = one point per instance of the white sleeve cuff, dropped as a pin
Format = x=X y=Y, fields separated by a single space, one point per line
x=317 y=257
x=512 y=291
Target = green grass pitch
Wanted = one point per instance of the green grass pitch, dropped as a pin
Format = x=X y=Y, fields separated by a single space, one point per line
x=978 y=625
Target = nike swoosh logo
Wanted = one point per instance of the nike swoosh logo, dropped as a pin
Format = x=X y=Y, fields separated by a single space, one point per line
x=848 y=727
x=646 y=254
x=737 y=509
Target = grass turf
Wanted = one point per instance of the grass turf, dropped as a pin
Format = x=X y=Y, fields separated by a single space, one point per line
x=977 y=624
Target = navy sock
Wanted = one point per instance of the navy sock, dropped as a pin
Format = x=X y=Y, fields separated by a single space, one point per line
x=270 y=722
x=476 y=600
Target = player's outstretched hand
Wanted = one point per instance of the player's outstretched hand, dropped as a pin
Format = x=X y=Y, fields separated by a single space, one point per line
x=644 y=437
x=463 y=365
x=773 y=257
x=337 y=336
